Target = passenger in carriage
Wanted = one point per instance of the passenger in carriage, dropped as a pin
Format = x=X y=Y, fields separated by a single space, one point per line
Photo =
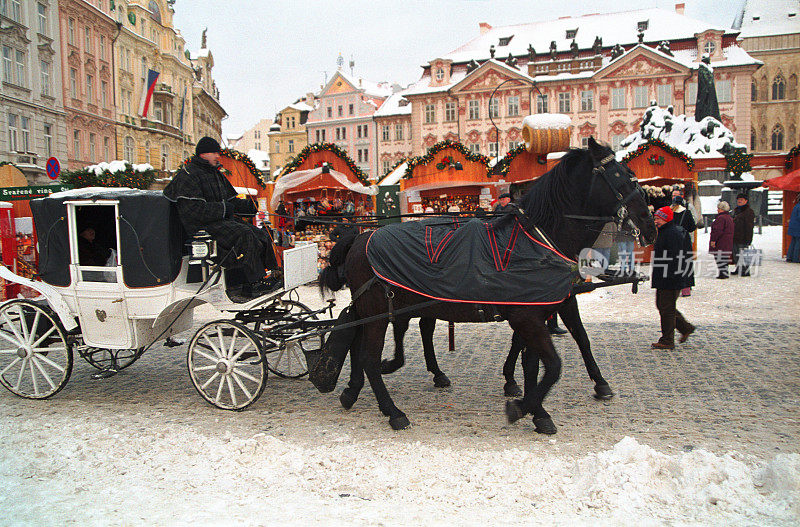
x=89 y=251
x=206 y=200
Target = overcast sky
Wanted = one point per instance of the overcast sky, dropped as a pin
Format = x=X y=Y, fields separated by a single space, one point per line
x=267 y=54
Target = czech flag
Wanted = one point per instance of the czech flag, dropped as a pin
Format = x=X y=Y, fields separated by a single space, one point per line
x=147 y=91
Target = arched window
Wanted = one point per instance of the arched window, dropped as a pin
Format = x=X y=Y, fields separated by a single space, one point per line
x=792 y=87
x=129 y=148
x=777 y=137
x=147 y=152
x=778 y=88
x=753 y=142
x=155 y=12
x=164 y=156
x=753 y=91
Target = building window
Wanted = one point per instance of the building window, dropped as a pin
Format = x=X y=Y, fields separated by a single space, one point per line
x=158 y=112
x=617 y=99
x=129 y=147
x=8 y=65
x=147 y=153
x=92 y=151
x=41 y=10
x=104 y=94
x=475 y=148
x=584 y=142
x=430 y=114
x=44 y=77
x=76 y=144
x=73 y=83
x=25 y=123
x=640 y=97
x=107 y=149
x=449 y=111
x=12 y=132
x=587 y=101
x=778 y=88
x=513 y=144
x=753 y=91
x=541 y=103
x=691 y=93
x=71 y=31
x=103 y=47
x=709 y=47
x=277 y=147
x=777 y=137
x=48 y=140
x=492 y=149
x=724 y=91
x=513 y=106
x=164 y=156
x=664 y=94
x=330 y=112
x=350 y=109
x=439 y=74
x=616 y=140
x=398 y=132
x=340 y=111
x=386 y=166
x=494 y=109
x=358 y=131
x=564 y=102
x=291 y=145
x=385 y=133
x=87 y=39
x=20 y=67
x=90 y=89
x=144 y=69
x=474 y=109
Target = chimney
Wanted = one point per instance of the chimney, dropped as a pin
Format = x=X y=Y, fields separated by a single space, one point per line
x=484 y=27
x=679 y=8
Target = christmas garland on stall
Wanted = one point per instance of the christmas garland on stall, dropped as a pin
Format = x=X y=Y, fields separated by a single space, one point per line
x=642 y=148
x=326 y=147
x=502 y=167
x=793 y=152
x=436 y=149
x=397 y=164
x=738 y=162
x=124 y=178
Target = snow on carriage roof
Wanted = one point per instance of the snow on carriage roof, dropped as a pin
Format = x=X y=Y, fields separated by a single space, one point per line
x=769 y=17
x=102 y=192
x=614 y=28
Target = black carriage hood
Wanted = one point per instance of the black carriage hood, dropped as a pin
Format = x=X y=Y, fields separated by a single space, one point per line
x=151 y=236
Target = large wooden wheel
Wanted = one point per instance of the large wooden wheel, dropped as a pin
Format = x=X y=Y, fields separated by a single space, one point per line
x=227 y=365
x=35 y=354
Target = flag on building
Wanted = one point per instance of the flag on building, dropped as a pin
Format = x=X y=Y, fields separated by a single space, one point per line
x=147 y=92
x=183 y=106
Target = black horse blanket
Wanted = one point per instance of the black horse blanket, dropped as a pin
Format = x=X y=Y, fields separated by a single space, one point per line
x=471 y=261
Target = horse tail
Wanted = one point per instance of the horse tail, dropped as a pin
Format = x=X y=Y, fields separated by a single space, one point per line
x=332 y=278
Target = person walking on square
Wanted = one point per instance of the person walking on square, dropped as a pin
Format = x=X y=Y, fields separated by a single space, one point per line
x=683 y=217
x=793 y=253
x=744 y=220
x=669 y=277
x=721 y=242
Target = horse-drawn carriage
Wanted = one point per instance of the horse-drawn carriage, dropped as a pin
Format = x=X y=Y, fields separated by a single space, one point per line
x=155 y=277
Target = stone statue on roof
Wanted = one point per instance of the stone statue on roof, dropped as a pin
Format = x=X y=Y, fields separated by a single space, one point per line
x=531 y=53
x=597 y=46
x=491 y=51
x=553 y=50
x=203 y=39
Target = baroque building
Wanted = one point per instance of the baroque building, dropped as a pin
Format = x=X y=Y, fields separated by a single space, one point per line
x=32 y=124
x=207 y=112
x=288 y=135
x=392 y=123
x=602 y=70
x=770 y=32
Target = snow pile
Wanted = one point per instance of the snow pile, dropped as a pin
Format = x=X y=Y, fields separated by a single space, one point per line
x=547 y=121
x=117 y=166
x=707 y=138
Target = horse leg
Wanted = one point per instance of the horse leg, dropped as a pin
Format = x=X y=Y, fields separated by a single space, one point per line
x=349 y=395
x=572 y=319
x=373 y=336
x=511 y=388
x=538 y=347
x=426 y=328
x=399 y=327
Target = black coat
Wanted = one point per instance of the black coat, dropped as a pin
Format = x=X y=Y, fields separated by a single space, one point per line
x=744 y=219
x=670 y=258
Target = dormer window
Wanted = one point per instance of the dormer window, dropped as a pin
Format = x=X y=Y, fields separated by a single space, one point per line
x=709 y=47
x=439 y=74
x=571 y=33
x=505 y=40
x=642 y=26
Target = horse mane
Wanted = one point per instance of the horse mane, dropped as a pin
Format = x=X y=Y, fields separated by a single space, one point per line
x=551 y=194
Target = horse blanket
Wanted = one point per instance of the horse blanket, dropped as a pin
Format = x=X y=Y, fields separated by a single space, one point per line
x=495 y=262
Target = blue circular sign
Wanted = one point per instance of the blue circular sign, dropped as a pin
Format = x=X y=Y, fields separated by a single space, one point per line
x=53 y=168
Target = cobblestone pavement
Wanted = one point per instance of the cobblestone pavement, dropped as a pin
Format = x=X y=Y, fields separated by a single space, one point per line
x=734 y=385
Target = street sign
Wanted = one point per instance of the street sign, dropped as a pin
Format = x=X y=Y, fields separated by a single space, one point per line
x=30 y=192
x=53 y=168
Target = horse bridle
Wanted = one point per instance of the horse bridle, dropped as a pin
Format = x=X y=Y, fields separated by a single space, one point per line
x=620 y=215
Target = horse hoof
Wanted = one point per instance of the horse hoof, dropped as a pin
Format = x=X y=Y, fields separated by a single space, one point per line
x=512 y=389
x=347 y=400
x=544 y=425
x=514 y=410
x=602 y=392
x=400 y=422
x=388 y=366
x=441 y=381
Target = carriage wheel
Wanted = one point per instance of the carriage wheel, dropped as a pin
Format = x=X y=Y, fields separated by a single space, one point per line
x=35 y=355
x=105 y=359
x=227 y=365
x=289 y=361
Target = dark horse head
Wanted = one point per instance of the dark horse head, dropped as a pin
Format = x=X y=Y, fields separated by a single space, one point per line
x=585 y=190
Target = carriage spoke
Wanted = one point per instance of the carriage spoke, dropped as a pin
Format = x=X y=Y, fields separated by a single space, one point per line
x=246 y=375
x=10 y=364
x=51 y=363
x=23 y=324
x=13 y=328
x=235 y=376
x=21 y=373
x=244 y=348
x=44 y=373
x=205 y=368
x=35 y=324
x=48 y=349
x=230 y=389
x=8 y=351
x=9 y=339
x=233 y=344
x=208 y=357
x=210 y=380
x=33 y=377
x=221 y=338
x=212 y=346
x=219 y=389
x=40 y=339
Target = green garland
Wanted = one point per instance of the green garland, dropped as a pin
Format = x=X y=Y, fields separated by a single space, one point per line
x=738 y=162
x=126 y=178
x=642 y=148
x=793 y=152
x=326 y=147
x=502 y=167
x=438 y=147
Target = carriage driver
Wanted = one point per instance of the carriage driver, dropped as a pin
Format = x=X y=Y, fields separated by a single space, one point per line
x=206 y=200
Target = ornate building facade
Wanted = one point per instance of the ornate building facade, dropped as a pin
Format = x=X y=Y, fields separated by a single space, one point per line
x=288 y=135
x=207 y=113
x=32 y=124
x=601 y=70
x=770 y=32
x=392 y=124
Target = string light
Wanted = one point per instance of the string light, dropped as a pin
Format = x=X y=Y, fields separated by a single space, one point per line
x=644 y=147
x=438 y=147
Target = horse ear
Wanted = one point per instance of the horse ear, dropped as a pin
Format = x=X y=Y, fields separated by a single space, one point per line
x=596 y=149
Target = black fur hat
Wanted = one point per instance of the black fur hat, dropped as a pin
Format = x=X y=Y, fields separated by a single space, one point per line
x=207 y=145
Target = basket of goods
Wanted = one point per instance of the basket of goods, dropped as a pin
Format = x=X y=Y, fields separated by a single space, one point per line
x=546 y=132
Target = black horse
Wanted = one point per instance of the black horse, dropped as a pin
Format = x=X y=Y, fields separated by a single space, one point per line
x=568 y=310
x=570 y=203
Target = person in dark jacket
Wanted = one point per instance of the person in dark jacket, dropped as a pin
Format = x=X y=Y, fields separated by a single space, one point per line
x=206 y=200
x=503 y=203
x=683 y=217
x=720 y=244
x=670 y=254
x=744 y=220
x=793 y=253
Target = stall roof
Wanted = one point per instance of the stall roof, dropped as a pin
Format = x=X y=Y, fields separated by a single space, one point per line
x=790 y=181
x=394 y=177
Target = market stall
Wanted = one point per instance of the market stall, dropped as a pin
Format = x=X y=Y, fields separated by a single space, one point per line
x=789 y=183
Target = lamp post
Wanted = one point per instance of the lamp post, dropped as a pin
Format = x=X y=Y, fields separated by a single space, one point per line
x=496 y=129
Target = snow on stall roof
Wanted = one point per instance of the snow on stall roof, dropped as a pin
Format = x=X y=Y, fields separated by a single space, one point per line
x=391 y=106
x=770 y=17
x=393 y=177
x=621 y=27
x=260 y=158
x=118 y=166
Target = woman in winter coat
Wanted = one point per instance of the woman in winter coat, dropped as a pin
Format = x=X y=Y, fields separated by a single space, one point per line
x=721 y=242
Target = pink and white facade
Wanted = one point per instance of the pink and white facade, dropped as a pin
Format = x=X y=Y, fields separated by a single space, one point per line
x=344 y=116
x=571 y=66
